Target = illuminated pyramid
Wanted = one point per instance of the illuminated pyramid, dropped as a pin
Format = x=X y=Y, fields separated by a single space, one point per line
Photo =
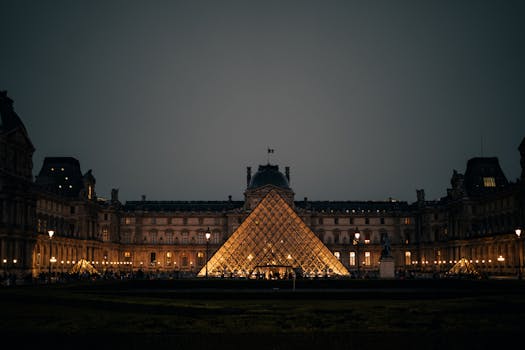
x=273 y=241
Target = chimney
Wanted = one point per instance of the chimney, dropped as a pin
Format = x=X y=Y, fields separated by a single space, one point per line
x=143 y=197
x=248 y=175
x=229 y=198
x=287 y=173
x=114 y=195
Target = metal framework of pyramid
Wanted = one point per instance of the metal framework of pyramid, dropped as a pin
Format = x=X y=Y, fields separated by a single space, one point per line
x=273 y=236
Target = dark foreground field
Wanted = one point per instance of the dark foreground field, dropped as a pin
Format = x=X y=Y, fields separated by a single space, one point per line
x=186 y=314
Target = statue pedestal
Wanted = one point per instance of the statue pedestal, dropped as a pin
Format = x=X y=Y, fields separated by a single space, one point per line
x=386 y=267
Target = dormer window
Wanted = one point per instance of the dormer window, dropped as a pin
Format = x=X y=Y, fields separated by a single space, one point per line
x=489 y=182
x=90 y=192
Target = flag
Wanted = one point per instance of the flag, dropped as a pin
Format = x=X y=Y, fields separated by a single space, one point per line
x=270 y=150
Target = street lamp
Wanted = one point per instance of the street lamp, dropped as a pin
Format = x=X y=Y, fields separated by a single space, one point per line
x=207 y=235
x=5 y=267
x=357 y=234
x=51 y=233
x=518 y=233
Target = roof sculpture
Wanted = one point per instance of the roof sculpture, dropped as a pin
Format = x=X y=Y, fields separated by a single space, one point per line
x=273 y=235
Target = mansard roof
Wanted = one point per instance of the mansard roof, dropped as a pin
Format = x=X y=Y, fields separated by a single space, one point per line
x=481 y=168
x=182 y=206
x=9 y=120
x=61 y=175
x=352 y=206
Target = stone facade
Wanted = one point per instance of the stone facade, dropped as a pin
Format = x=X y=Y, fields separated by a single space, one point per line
x=475 y=220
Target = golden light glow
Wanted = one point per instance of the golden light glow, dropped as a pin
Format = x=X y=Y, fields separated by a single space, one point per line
x=275 y=237
x=489 y=182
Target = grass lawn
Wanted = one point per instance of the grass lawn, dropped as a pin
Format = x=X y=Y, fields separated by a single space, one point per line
x=350 y=314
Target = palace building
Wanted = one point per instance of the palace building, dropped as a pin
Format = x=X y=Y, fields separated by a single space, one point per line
x=50 y=222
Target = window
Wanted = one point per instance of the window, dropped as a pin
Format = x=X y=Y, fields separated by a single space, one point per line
x=200 y=237
x=184 y=221
x=152 y=258
x=321 y=221
x=336 y=221
x=367 y=258
x=382 y=220
x=215 y=238
x=105 y=216
x=127 y=220
x=352 y=258
x=406 y=221
x=337 y=255
x=127 y=254
x=126 y=237
x=489 y=182
x=351 y=221
x=169 y=237
x=184 y=261
x=367 y=237
x=90 y=190
x=153 y=237
x=185 y=236
x=367 y=221
x=105 y=234
x=200 y=258
x=72 y=210
x=168 y=258
x=408 y=258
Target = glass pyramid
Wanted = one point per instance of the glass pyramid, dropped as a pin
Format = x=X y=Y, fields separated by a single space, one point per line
x=273 y=242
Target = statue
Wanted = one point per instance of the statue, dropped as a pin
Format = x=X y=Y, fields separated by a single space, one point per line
x=385 y=241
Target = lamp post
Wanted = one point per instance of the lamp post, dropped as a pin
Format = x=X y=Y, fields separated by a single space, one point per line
x=518 y=233
x=357 y=234
x=51 y=233
x=4 y=261
x=207 y=235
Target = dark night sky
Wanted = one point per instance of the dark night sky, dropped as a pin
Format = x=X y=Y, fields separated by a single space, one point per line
x=364 y=100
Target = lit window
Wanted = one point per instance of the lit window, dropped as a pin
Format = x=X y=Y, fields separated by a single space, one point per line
x=408 y=258
x=489 y=182
x=352 y=258
x=407 y=221
x=200 y=258
x=90 y=190
x=152 y=258
x=127 y=254
x=367 y=258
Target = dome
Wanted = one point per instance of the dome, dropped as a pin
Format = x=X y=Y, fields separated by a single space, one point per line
x=268 y=175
